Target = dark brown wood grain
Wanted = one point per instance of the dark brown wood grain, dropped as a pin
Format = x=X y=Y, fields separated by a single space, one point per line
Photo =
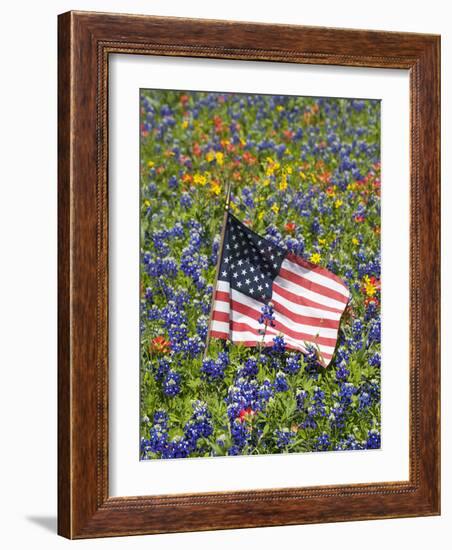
x=85 y=508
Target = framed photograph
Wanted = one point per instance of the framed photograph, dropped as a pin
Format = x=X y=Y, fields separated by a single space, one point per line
x=248 y=275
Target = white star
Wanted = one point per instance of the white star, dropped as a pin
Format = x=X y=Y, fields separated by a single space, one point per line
x=244 y=272
x=266 y=284
x=272 y=256
x=228 y=247
x=262 y=276
x=224 y=273
x=256 y=278
x=247 y=282
x=251 y=290
x=240 y=262
x=252 y=269
x=233 y=237
x=239 y=284
x=260 y=288
x=235 y=275
x=226 y=260
x=236 y=245
x=275 y=266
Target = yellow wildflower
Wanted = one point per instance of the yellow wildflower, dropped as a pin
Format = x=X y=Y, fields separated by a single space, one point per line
x=272 y=166
x=275 y=208
x=315 y=258
x=355 y=241
x=260 y=215
x=280 y=108
x=185 y=124
x=200 y=179
x=322 y=241
x=338 y=203
x=210 y=156
x=369 y=286
x=219 y=158
x=147 y=203
x=283 y=183
x=289 y=169
x=151 y=163
x=215 y=187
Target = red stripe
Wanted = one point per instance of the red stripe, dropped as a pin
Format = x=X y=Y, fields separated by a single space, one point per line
x=309 y=321
x=222 y=296
x=314 y=267
x=312 y=321
x=296 y=318
x=221 y=316
x=310 y=285
x=301 y=300
x=218 y=334
x=253 y=343
x=280 y=327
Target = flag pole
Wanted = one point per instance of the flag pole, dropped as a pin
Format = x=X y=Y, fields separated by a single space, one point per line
x=217 y=270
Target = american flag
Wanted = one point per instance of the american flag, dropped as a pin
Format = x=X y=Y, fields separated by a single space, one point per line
x=308 y=300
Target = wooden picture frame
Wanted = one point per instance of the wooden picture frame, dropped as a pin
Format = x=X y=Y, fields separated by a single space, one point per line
x=85 y=42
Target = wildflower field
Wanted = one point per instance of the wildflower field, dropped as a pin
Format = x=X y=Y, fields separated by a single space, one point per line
x=305 y=175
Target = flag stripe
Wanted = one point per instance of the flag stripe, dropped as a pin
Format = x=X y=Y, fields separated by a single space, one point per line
x=307 y=311
x=284 y=325
x=314 y=269
x=304 y=293
x=242 y=332
x=311 y=285
x=222 y=303
x=242 y=329
x=316 y=321
x=284 y=291
x=296 y=322
x=245 y=309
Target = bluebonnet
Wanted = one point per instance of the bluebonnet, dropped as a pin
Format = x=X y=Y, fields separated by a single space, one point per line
x=283 y=438
x=373 y=440
x=292 y=365
x=323 y=442
x=279 y=346
x=281 y=384
x=267 y=315
x=171 y=383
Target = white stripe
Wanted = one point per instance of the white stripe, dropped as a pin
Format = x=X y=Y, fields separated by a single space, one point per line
x=243 y=336
x=220 y=326
x=298 y=327
x=304 y=310
x=315 y=277
x=241 y=318
x=222 y=306
x=308 y=294
x=223 y=286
